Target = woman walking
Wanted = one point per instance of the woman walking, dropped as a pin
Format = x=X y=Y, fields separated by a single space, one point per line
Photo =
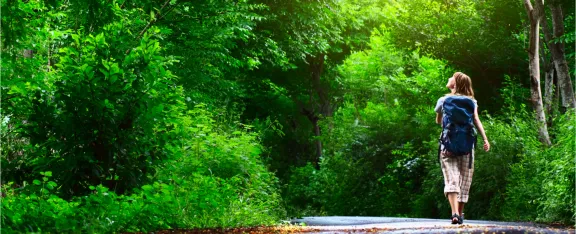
x=457 y=112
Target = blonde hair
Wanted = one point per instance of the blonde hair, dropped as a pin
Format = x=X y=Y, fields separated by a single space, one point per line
x=463 y=85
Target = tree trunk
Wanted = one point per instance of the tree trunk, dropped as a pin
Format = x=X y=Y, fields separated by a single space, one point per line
x=548 y=67
x=28 y=53
x=535 y=14
x=565 y=82
x=316 y=70
x=556 y=96
x=549 y=76
x=318 y=141
x=568 y=100
x=549 y=92
x=324 y=108
x=317 y=108
x=313 y=117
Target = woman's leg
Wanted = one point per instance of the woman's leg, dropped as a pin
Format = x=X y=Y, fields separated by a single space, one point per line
x=465 y=182
x=453 y=199
x=451 y=173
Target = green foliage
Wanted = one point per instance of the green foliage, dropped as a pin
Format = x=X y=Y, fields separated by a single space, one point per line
x=102 y=106
x=19 y=19
x=108 y=118
x=215 y=44
x=303 y=28
x=215 y=178
x=541 y=186
x=385 y=133
x=557 y=200
x=374 y=142
x=341 y=187
x=467 y=34
x=145 y=115
x=510 y=142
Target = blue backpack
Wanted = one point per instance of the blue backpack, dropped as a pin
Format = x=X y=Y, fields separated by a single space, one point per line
x=458 y=134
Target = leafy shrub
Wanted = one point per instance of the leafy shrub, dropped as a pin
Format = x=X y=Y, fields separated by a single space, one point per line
x=541 y=185
x=341 y=187
x=215 y=178
x=558 y=185
x=108 y=118
x=510 y=142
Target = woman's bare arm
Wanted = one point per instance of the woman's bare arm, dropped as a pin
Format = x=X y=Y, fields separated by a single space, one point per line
x=439 y=118
x=481 y=129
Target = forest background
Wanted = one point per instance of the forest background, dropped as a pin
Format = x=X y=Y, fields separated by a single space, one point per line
x=123 y=115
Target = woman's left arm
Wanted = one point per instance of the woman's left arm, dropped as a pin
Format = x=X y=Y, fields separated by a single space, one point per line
x=481 y=129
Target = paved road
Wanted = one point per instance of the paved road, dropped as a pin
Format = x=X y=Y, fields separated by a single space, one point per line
x=339 y=224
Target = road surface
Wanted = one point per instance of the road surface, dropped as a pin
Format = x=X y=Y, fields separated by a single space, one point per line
x=339 y=224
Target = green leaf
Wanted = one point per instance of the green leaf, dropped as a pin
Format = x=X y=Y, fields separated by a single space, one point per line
x=113 y=78
x=106 y=74
x=51 y=185
x=36 y=182
x=76 y=38
x=105 y=64
x=114 y=69
x=100 y=39
x=108 y=104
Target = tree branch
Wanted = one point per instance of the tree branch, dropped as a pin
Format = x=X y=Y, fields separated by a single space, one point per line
x=528 y=7
x=157 y=17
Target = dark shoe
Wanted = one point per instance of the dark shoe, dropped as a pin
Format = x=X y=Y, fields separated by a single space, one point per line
x=461 y=219
x=455 y=219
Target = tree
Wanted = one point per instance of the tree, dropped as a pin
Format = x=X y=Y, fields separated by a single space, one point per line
x=316 y=37
x=557 y=52
x=535 y=15
x=309 y=35
x=550 y=89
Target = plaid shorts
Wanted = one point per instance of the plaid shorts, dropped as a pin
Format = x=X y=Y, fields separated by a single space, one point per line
x=457 y=175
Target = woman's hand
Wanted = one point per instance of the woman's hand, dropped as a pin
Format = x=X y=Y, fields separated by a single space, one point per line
x=486 y=145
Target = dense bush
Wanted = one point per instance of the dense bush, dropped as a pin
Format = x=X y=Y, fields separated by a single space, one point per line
x=541 y=185
x=215 y=178
x=556 y=202
x=105 y=140
x=107 y=119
